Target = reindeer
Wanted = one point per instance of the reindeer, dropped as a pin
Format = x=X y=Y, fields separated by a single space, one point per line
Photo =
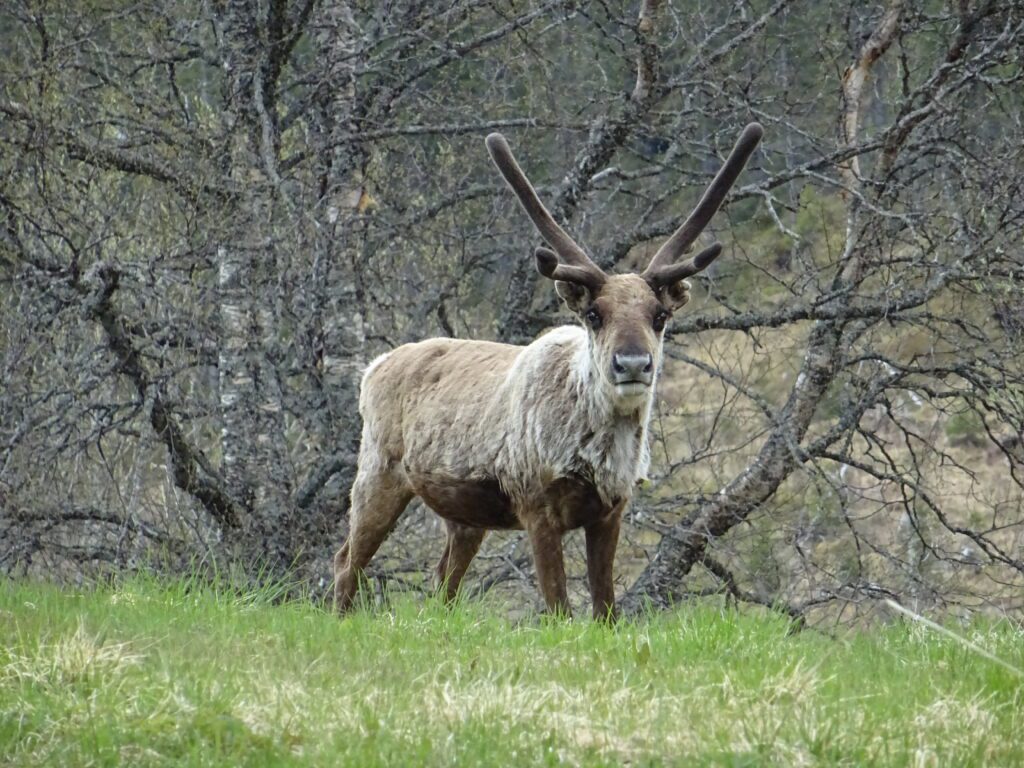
x=549 y=437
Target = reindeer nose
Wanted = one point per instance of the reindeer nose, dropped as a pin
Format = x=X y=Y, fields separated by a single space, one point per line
x=632 y=367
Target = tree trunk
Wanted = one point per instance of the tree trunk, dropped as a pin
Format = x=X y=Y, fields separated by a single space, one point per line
x=251 y=413
x=687 y=542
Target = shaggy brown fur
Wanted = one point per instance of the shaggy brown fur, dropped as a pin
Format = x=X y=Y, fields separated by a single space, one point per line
x=549 y=437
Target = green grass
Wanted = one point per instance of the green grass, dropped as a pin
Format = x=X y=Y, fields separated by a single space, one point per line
x=151 y=674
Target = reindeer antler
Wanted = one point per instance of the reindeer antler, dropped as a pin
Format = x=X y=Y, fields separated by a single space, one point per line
x=662 y=270
x=578 y=268
x=548 y=265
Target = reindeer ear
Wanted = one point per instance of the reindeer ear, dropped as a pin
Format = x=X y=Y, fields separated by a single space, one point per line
x=576 y=297
x=573 y=284
x=674 y=295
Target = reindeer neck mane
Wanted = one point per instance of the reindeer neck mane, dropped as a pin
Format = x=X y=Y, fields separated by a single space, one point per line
x=612 y=447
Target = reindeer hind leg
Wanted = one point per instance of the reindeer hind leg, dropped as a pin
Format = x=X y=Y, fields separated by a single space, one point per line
x=461 y=547
x=378 y=500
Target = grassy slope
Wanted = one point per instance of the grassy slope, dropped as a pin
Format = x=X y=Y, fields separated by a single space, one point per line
x=145 y=674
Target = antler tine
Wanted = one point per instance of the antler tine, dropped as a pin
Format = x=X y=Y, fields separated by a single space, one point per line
x=549 y=229
x=548 y=265
x=695 y=223
x=672 y=273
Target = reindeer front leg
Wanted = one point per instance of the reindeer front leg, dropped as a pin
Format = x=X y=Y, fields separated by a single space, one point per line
x=546 y=541
x=602 y=539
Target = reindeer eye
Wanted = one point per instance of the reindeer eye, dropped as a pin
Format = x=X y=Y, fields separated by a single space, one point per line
x=659 y=320
x=593 y=318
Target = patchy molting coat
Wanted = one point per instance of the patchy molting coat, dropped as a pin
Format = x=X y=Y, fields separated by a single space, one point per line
x=547 y=437
x=462 y=413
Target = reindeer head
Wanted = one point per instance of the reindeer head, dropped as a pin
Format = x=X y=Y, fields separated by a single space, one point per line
x=625 y=314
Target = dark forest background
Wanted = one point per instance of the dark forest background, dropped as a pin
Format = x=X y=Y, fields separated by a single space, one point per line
x=214 y=214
